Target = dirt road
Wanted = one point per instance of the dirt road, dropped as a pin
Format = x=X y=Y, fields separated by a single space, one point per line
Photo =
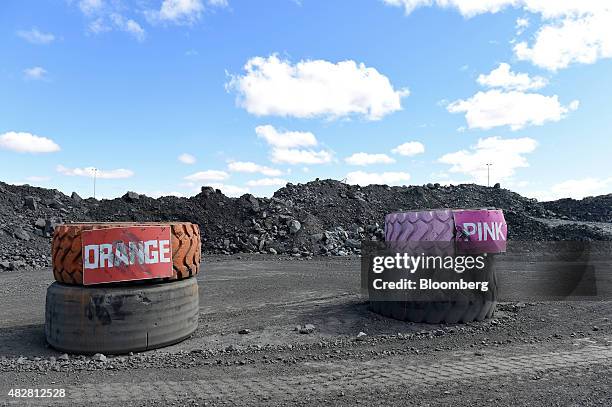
x=532 y=353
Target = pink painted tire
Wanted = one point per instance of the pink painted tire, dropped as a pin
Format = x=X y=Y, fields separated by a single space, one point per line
x=433 y=233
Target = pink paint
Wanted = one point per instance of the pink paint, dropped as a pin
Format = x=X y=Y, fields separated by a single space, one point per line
x=480 y=231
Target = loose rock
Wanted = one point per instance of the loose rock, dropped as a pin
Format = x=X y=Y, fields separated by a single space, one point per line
x=307 y=329
x=99 y=357
x=30 y=203
x=294 y=226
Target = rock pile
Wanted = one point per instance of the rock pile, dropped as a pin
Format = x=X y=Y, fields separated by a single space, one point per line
x=594 y=209
x=28 y=216
x=322 y=217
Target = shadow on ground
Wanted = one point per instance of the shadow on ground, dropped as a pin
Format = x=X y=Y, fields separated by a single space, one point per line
x=26 y=340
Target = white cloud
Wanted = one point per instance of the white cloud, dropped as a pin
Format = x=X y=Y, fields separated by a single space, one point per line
x=503 y=77
x=573 y=31
x=129 y=26
x=107 y=16
x=444 y=179
x=297 y=156
x=23 y=142
x=505 y=155
x=267 y=182
x=187 y=158
x=314 y=88
x=159 y=193
x=385 y=178
x=230 y=190
x=368 y=159
x=218 y=3
x=178 y=11
x=208 y=175
x=36 y=37
x=35 y=73
x=521 y=24
x=583 y=40
x=548 y=9
x=118 y=22
x=250 y=167
x=409 y=148
x=98 y=26
x=409 y=5
x=135 y=29
x=466 y=8
x=90 y=171
x=576 y=188
x=574 y=104
x=285 y=139
x=516 y=109
x=89 y=7
x=283 y=148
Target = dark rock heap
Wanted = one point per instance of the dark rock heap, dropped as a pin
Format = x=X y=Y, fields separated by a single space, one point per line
x=322 y=217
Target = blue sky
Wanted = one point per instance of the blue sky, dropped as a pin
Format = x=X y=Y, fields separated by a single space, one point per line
x=253 y=94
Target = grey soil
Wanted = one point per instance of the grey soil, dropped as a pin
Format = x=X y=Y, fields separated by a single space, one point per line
x=248 y=349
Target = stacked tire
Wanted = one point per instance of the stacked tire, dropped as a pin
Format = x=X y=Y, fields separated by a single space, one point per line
x=121 y=317
x=432 y=232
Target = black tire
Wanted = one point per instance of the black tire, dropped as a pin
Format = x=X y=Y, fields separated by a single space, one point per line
x=452 y=308
x=433 y=233
x=120 y=318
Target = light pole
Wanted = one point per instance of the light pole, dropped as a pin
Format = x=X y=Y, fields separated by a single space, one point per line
x=95 y=172
x=489 y=173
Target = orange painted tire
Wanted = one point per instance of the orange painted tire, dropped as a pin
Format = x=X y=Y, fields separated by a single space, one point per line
x=66 y=249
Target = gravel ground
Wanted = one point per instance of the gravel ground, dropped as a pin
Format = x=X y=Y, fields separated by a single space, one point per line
x=538 y=353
